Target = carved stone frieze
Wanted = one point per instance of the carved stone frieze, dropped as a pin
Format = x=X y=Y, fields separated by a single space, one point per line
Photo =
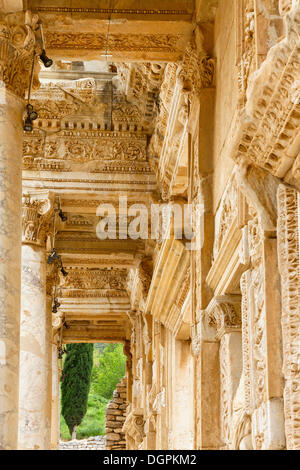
x=117 y=42
x=254 y=347
x=93 y=151
x=96 y=279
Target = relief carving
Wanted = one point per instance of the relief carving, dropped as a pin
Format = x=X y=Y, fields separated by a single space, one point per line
x=289 y=267
x=117 y=42
x=36 y=218
x=17 y=47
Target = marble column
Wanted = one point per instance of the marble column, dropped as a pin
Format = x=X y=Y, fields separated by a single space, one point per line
x=36 y=319
x=16 y=52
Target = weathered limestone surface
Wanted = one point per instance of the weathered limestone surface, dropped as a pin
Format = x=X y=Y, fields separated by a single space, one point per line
x=17 y=42
x=35 y=329
x=185 y=103
x=10 y=240
x=34 y=420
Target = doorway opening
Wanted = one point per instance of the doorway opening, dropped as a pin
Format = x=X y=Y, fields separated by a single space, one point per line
x=107 y=371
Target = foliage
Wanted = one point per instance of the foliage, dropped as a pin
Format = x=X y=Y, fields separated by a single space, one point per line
x=108 y=370
x=93 y=424
x=76 y=382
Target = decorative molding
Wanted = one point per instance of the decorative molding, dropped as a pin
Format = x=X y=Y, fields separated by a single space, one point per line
x=289 y=267
x=116 y=42
x=111 y=11
x=91 y=279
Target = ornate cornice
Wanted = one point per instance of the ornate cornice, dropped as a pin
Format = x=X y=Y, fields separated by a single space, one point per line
x=96 y=279
x=37 y=217
x=17 y=46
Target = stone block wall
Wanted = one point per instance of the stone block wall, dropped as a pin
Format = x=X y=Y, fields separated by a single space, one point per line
x=115 y=417
x=92 y=443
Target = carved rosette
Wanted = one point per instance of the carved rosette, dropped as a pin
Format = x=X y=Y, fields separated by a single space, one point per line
x=36 y=218
x=17 y=46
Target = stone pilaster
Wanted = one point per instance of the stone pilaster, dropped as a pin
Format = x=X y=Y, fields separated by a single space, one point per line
x=17 y=43
x=36 y=321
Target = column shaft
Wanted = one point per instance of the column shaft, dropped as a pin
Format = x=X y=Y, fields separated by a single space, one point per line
x=11 y=109
x=35 y=410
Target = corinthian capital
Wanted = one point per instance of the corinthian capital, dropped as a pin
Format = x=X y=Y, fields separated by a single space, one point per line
x=17 y=47
x=224 y=314
x=197 y=68
x=37 y=217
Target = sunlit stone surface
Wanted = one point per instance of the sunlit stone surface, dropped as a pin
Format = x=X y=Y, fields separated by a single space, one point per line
x=152 y=102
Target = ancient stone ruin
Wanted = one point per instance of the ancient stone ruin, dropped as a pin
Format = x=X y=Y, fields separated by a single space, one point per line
x=149 y=196
x=115 y=417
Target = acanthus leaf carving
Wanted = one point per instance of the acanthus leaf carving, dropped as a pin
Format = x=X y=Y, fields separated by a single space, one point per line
x=36 y=218
x=17 y=47
x=196 y=70
x=224 y=314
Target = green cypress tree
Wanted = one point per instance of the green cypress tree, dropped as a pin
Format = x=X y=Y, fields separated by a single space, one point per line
x=76 y=383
